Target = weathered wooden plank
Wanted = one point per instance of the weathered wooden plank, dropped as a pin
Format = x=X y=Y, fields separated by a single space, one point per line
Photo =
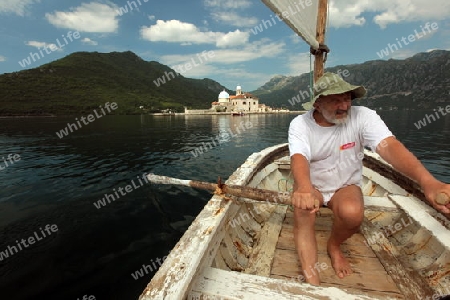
x=409 y=282
x=219 y=284
x=421 y=250
x=321 y=225
x=248 y=223
x=381 y=218
x=219 y=262
x=384 y=183
x=234 y=252
x=438 y=273
x=436 y=247
x=355 y=246
x=379 y=203
x=242 y=235
x=419 y=212
x=374 y=294
x=369 y=274
x=355 y=290
x=253 y=207
x=261 y=259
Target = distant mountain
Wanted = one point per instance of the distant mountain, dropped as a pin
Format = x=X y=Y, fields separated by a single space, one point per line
x=80 y=82
x=419 y=82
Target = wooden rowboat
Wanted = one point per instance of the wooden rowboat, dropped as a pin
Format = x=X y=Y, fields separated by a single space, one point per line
x=242 y=249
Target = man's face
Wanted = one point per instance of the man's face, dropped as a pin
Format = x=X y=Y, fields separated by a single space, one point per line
x=335 y=108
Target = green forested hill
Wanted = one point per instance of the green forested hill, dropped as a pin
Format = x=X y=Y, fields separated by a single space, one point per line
x=82 y=81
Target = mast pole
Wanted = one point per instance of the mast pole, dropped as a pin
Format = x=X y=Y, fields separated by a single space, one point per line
x=320 y=36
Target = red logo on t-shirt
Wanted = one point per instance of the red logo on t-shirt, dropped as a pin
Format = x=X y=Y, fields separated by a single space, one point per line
x=348 y=146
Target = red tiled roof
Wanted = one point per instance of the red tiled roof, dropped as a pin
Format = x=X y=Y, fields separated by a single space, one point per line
x=244 y=96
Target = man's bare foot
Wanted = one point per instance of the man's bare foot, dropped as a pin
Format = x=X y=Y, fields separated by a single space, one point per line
x=340 y=264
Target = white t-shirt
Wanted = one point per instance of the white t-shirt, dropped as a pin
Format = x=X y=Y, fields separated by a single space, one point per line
x=335 y=153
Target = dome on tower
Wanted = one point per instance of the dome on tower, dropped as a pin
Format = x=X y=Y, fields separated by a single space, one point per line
x=223 y=95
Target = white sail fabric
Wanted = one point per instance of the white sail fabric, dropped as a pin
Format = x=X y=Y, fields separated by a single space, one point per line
x=300 y=15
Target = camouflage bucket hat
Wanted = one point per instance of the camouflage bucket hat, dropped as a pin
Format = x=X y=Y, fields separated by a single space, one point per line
x=333 y=84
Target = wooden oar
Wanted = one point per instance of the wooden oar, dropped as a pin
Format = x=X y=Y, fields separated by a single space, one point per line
x=220 y=188
x=245 y=191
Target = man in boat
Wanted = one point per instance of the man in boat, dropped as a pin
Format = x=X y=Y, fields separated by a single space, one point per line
x=326 y=147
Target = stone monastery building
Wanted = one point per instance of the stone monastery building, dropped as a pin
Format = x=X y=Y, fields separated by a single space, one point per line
x=241 y=102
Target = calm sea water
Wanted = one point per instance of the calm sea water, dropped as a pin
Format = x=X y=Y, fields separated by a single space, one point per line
x=95 y=251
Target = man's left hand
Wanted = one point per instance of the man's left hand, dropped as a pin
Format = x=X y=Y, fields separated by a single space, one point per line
x=432 y=190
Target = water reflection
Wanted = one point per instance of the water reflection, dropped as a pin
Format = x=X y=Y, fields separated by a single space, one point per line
x=57 y=181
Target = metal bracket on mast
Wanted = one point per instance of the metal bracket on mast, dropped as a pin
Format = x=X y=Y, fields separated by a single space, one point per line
x=322 y=49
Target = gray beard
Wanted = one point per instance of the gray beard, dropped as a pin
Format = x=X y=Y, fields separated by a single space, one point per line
x=331 y=118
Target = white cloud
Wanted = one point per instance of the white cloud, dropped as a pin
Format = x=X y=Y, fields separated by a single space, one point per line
x=88 y=41
x=232 y=18
x=152 y=18
x=2 y=58
x=42 y=45
x=350 y=12
x=225 y=12
x=260 y=49
x=228 y=4
x=230 y=39
x=256 y=50
x=89 y=17
x=228 y=64
x=298 y=64
x=18 y=7
x=295 y=39
x=175 y=31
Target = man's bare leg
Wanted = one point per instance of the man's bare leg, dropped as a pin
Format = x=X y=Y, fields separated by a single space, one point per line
x=347 y=205
x=305 y=241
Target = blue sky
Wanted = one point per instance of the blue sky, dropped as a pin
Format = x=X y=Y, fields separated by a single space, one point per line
x=173 y=32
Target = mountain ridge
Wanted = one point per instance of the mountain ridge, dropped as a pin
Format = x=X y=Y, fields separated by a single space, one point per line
x=82 y=81
x=418 y=82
